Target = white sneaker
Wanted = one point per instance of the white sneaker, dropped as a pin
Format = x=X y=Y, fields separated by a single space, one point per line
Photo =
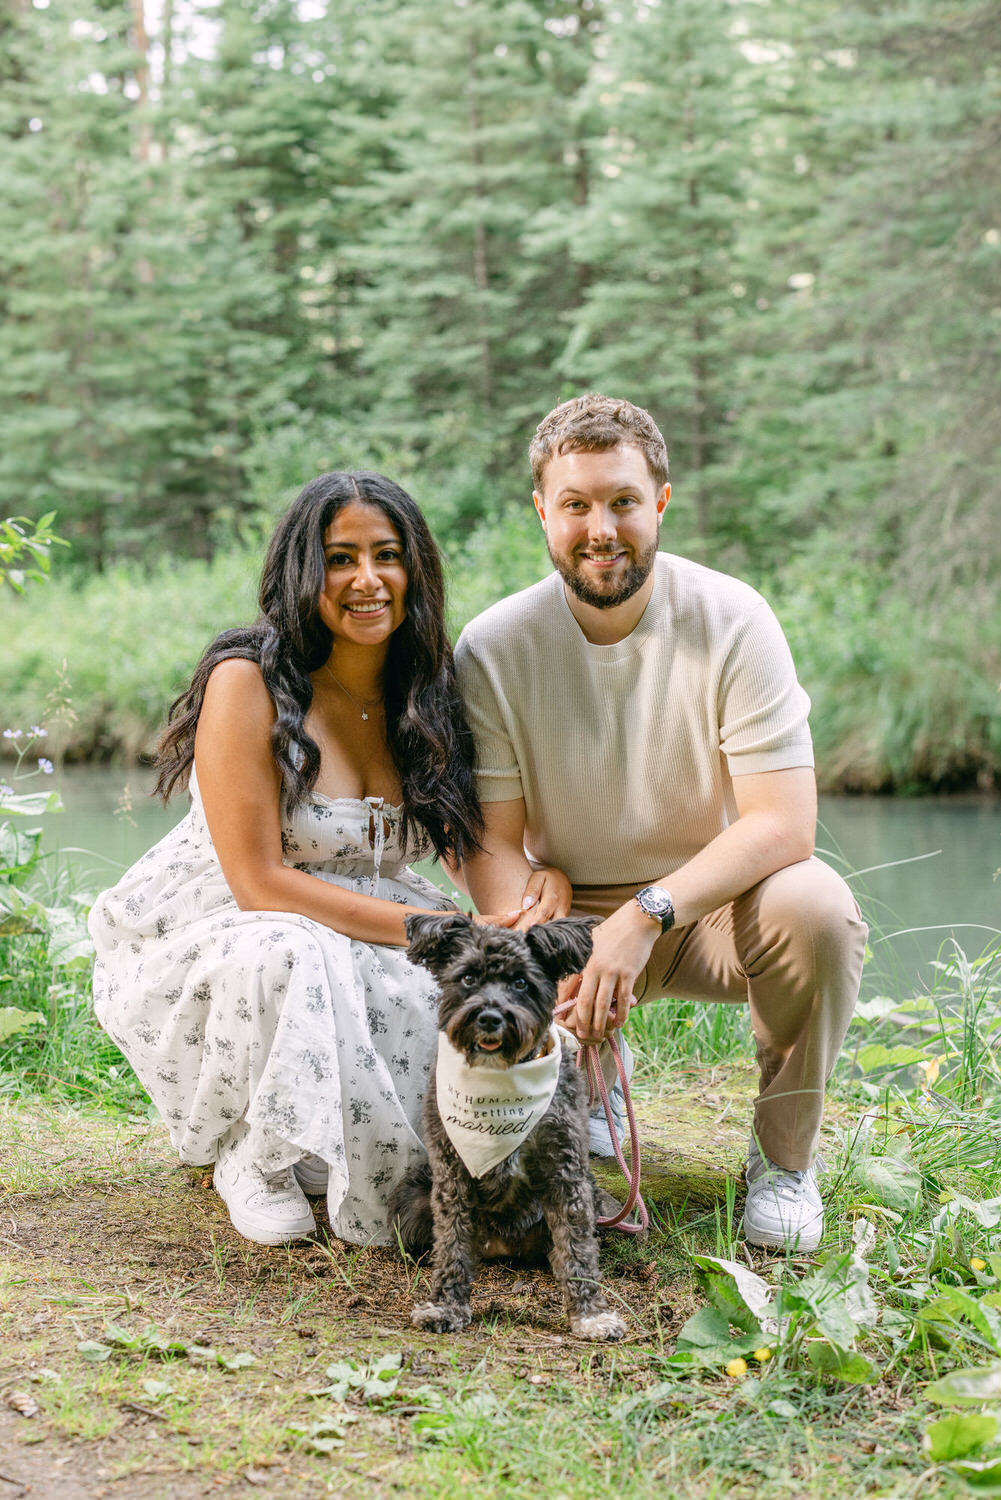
x=311 y=1174
x=783 y=1210
x=267 y=1209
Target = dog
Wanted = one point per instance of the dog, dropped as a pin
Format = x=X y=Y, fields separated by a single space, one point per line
x=505 y=1121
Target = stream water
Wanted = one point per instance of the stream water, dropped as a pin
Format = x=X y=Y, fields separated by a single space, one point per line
x=922 y=868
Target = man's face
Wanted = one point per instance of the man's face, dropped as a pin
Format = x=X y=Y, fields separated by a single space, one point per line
x=602 y=513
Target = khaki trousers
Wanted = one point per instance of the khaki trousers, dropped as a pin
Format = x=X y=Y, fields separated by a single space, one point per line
x=791 y=948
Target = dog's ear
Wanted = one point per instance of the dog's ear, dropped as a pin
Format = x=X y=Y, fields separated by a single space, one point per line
x=435 y=937
x=562 y=946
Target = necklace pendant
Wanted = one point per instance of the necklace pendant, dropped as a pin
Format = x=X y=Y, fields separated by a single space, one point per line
x=364 y=715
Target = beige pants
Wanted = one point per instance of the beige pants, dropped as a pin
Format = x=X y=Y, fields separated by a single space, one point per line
x=792 y=949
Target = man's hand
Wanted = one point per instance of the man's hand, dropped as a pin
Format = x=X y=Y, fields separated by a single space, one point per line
x=604 y=991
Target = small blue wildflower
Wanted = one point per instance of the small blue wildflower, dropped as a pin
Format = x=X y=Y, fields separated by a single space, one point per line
x=45 y=765
x=38 y=733
x=13 y=734
x=5 y=790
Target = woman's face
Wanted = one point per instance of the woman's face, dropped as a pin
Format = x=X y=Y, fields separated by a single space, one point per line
x=363 y=599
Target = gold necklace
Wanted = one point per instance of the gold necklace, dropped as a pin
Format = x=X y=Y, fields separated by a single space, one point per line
x=363 y=707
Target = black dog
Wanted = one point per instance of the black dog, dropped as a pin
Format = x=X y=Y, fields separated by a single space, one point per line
x=498 y=993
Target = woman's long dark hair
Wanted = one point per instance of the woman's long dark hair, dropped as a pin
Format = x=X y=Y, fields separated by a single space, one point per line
x=426 y=727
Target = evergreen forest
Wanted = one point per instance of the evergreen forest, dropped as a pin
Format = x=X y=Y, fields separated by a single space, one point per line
x=244 y=242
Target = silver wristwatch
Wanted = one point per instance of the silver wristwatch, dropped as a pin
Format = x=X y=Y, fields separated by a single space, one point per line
x=655 y=902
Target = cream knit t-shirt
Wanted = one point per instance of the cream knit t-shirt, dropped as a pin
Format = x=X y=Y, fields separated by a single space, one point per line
x=624 y=754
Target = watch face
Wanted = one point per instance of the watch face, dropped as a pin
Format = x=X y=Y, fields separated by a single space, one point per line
x=655 y=902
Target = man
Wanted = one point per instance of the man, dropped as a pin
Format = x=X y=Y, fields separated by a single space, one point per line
x=639 y=726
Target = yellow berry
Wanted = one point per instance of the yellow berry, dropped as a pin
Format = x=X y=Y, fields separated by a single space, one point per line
x=976 y=1264
x=736 y=1368
x=761 y=1355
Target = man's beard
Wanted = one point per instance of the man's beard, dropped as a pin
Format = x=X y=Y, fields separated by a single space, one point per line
x=607 y=596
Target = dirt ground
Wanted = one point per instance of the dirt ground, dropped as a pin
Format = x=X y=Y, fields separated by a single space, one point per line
x=99 y=1225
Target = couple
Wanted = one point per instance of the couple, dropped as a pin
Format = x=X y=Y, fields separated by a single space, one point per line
x=626 y=738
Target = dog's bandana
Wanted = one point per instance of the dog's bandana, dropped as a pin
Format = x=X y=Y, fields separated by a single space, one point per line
x=488 y=1112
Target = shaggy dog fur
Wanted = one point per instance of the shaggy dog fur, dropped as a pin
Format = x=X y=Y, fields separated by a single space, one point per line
x=498 y=993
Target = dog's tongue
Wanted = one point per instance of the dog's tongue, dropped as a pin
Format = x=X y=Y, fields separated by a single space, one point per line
x=488 y=1046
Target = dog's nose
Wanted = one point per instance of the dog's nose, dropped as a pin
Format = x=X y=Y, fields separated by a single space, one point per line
x=490 y=1019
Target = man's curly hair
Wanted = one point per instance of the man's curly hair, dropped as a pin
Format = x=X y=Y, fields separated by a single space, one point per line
x=593 y=424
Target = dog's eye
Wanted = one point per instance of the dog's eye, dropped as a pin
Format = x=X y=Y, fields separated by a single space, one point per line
x=469 y=980
x=519 y=984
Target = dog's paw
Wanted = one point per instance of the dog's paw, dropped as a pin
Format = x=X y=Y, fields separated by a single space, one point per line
x=603 y=1327
x=440 y=1317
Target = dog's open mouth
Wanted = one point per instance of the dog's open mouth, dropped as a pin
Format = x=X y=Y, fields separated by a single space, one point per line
x=489 y=1044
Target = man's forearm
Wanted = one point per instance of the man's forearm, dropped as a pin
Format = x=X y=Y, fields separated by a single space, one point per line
x=746 y=852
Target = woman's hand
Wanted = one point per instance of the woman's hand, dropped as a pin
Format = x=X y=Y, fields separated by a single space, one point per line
x=547 y=894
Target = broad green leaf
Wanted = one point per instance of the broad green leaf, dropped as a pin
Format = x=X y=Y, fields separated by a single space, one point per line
x=842 y=1364
x=157 y=1388
x=986 y=1211
x=891 y=1180
x=16 y=924
x=876 y=1057
x=984 y=1475
x=984 y=1318
x=755 y=1293
x=18 y=850
x=121 y=1338
x=70 y=944
x=959 y=1435
x=231 y=1362
x=13 y=1020
x=31 y=804
x=974 y=1384
x=706 y=1329
x=92 y=1350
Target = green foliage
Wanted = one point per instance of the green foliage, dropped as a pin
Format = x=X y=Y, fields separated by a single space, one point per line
x=125 y=642
x=24 y=550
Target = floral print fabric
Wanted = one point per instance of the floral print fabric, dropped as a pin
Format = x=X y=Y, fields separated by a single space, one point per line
x=321 y=1043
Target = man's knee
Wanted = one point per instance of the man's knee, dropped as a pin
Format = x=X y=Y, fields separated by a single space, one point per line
x=810 y=904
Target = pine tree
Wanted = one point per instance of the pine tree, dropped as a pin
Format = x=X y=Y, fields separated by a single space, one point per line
x=461 y=283
x=661 y=315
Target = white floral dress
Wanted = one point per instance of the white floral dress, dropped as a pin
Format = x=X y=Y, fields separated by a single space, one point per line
x=320 y=1042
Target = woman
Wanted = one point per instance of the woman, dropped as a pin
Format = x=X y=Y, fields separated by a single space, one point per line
x=250 y=965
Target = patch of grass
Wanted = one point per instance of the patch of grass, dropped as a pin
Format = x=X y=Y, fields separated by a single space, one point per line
x=515 y=1405
x=69 y=1058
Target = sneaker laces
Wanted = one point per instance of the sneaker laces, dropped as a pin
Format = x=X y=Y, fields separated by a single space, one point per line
x=782 y=1181
x=279 y=1182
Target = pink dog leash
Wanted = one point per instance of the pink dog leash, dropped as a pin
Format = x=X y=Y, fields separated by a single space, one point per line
x=587 y=1058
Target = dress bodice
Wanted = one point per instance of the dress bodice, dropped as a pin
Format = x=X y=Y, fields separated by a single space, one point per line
x=353 y=837
x=356 y=836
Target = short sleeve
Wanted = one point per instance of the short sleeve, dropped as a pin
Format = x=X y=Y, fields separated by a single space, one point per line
x=498 y=777
x=763 y=710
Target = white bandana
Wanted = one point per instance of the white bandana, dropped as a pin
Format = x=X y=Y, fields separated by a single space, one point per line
x=489 y=1112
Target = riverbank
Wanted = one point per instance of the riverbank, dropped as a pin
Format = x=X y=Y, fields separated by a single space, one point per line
x=900 y=702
